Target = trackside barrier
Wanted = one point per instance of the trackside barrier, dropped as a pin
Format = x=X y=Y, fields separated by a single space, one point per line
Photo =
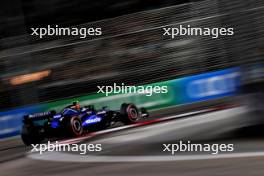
x=202 y=87
x=11 y=121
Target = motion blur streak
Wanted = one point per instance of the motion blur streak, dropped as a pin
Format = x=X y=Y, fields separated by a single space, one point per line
x=39 y=75
x=132 y=50
x=22 y=79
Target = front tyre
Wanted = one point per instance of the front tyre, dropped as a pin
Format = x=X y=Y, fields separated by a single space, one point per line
x=74 y=126
x=129 y=113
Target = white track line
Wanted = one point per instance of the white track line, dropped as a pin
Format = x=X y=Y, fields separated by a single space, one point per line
x=66 y=157
x=69 y=157
x=78 y=139
x=90 y=135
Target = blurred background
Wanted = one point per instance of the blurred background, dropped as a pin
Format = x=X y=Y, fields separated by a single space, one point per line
x=131 y=50
x=42 y=74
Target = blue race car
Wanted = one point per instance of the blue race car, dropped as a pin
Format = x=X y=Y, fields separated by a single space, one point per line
x=75 y=120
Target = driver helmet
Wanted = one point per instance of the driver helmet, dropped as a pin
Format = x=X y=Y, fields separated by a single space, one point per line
x=76 y=105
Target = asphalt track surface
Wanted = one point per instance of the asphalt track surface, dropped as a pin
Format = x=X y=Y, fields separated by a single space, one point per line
x=138 y=150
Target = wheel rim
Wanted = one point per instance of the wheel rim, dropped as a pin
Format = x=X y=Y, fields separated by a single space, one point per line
x=76 y=126
x=133 y=114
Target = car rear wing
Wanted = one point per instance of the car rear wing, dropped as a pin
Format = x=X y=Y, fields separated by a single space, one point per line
x=39 y=116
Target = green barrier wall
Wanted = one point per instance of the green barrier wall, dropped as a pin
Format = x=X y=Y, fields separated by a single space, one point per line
x=190 y=89
x=114 y=101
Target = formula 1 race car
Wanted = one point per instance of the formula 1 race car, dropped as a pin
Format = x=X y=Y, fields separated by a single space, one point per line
x=74 y=121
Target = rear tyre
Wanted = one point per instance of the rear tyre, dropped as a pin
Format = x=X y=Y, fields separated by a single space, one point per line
x=129 y=113
x=31 y=135
x=74 y=126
